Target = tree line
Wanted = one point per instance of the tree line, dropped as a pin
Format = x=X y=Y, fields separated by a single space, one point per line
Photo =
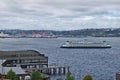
x=36 y=75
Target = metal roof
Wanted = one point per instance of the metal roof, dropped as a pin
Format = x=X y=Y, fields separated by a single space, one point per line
x=17 y=70
x=22 y=54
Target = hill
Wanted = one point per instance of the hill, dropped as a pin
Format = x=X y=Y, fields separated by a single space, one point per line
x=106 y=32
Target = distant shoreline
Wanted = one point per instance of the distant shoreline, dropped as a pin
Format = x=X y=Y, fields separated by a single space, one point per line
x=106 y=32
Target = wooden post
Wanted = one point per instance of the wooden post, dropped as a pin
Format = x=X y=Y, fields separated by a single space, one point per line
x=49 y=71
x=59 y=70
x=64 y=70
x=68 y=69
x=54 y=71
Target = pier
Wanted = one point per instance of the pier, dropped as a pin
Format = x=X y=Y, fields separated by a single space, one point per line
x=51 y=70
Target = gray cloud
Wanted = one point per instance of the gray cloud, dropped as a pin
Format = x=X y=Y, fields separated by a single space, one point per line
x=59 y=15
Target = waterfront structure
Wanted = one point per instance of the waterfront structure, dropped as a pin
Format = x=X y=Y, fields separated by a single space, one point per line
x=24 y=59
x=18 y=70
x=20 y=61
x=29 y=61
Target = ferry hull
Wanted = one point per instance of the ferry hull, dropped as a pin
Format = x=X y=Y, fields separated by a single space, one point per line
x=85 y=47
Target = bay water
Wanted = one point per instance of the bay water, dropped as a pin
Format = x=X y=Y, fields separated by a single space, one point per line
x=102 y=64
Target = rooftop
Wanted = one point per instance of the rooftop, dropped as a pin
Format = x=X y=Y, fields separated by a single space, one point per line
x=22 y=54
x=17 y=70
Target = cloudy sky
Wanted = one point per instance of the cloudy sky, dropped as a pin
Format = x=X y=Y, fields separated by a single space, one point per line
x=59 y=14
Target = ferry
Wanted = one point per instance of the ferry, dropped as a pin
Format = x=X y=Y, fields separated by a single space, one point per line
x=85 y=44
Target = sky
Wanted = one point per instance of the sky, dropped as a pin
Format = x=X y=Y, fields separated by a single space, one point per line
x=59 y=14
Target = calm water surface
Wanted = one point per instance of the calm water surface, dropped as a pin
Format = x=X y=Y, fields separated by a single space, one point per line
x=102 y=64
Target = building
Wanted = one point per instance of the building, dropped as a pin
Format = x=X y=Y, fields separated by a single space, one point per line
x=117 y=76
x=2 y=35
x=18 y=70
x=28 y=61
x=21 y=61
x=24 y=59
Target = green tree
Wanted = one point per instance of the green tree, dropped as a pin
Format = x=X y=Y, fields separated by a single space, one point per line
x=87 y=77
x=36 y=75
x=69 y=76
x=11 y=75
x=0 y=75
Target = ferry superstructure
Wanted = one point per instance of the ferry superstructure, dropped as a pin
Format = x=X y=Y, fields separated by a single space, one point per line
x=84 y=44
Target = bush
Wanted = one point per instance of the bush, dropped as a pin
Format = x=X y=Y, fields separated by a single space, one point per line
x=87 y=77
x=11 y=75
x=69 y=76
x=36 y=75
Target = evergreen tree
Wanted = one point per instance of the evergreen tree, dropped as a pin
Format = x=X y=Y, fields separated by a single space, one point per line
x=36 y=75
x=0 y=75
x=69 y=76
x=11 y=75
x=87 y=77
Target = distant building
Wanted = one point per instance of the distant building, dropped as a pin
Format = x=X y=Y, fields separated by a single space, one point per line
x=2 y=35
x=23 y=34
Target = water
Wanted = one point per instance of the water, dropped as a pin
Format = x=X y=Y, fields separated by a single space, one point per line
x=102 y=64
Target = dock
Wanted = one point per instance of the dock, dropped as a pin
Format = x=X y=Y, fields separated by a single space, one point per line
x=51 y=70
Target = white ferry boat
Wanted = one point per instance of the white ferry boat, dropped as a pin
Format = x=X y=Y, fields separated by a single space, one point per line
x=85 y=44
